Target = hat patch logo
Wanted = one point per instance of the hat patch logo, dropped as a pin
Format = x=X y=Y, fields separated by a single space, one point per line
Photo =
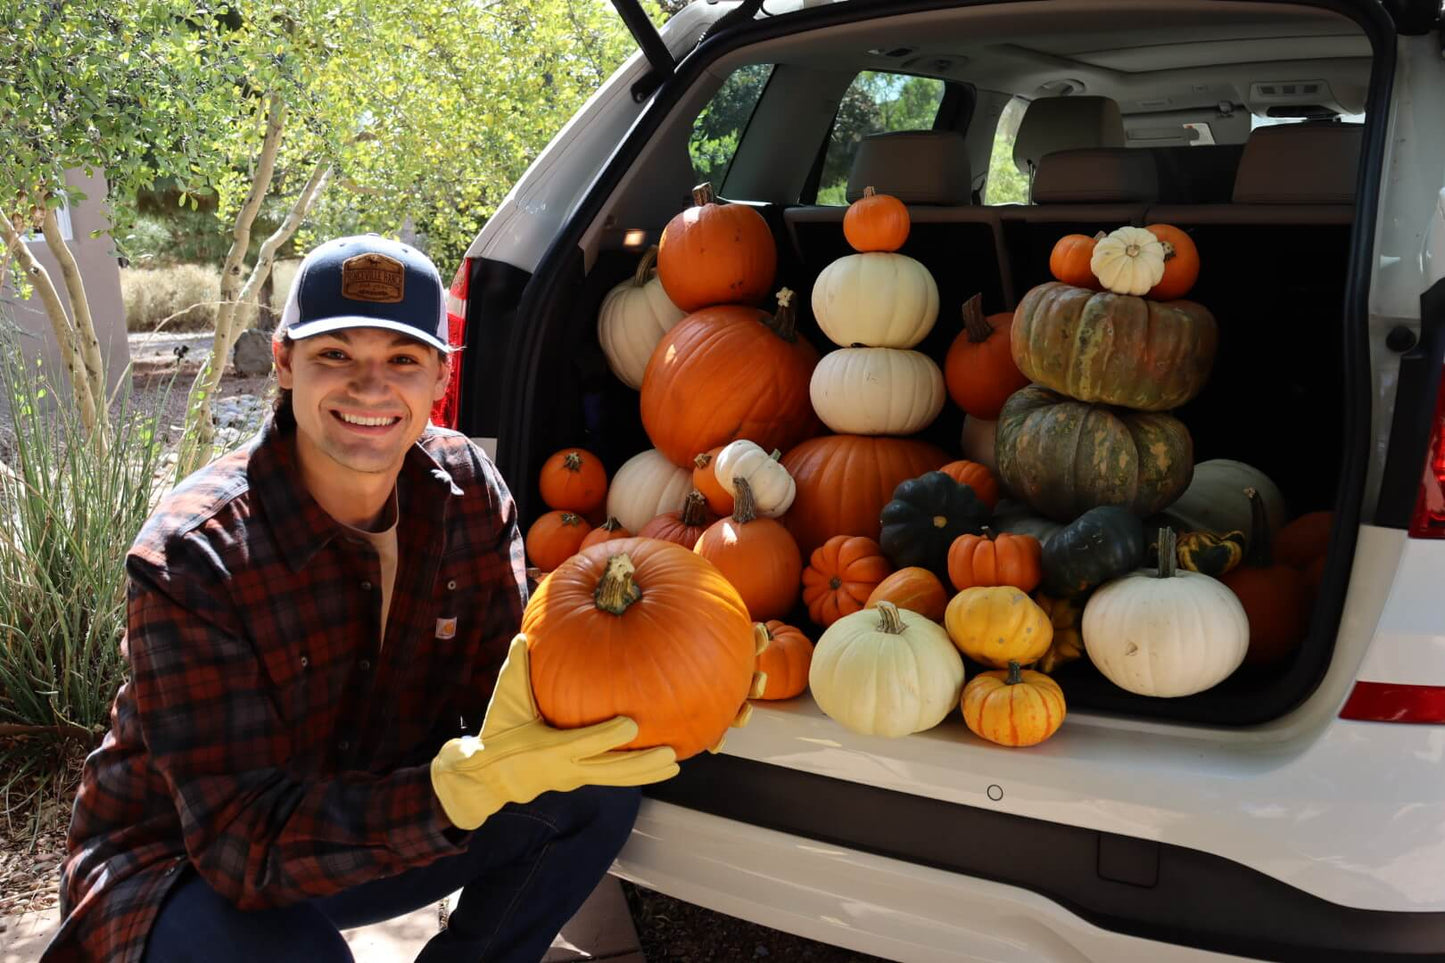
x=373 y=277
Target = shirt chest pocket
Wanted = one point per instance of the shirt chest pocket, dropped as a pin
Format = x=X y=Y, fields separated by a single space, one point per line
x=309 y=670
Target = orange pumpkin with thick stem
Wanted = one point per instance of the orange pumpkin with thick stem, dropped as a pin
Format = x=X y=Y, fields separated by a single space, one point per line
x=876 y=222
x=979 y=370
x=1274 y=596
x=704 y=479
x=1304 y=540
x=977 y=477
x=1069 y=260
x=716 y=254
x=683 y=527
x=912 y=588
x=554 y=538
x=843 y=482
x=573 y=480
x=987 y=560
x=1181 y=263
x=785 y=661
x=610 y=529
x=641 y=628
x=840 y=576
x=725 y=373
x=757 y=555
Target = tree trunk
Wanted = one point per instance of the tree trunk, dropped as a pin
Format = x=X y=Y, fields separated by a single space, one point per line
x=87 y=343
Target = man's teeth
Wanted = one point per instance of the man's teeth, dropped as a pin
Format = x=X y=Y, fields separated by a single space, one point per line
x=366 y=422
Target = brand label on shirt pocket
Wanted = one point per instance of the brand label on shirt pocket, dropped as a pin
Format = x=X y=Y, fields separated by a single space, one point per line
x=447 y=628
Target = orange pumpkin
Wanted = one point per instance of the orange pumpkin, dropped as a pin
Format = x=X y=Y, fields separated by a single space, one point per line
x=785 y=661
x=573 y=480
x=641 y=628
x=757 y=555
x=979 y=370
x=987 y=560
x=977 y=477
x=913 y=588
x=1069 y=260
x=704 y=479
x=725 y=373
x=716 y=254
x=876 y=222
x=1181 y=263
x=684 y=527
x=1304 y=540
x=554 y=538
x=840 y=576
x=1013 y=707
x=843 y=482
x=1274 y=596
x=606 y=532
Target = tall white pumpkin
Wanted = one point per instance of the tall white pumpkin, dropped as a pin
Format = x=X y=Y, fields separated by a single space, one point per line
x=886 y=672
x=1165 y=632
x=878 y=299
x=877 y=391
x=646 y=486
x=633 y=318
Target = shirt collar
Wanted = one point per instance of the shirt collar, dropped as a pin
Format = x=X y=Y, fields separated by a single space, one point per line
x=300 y=525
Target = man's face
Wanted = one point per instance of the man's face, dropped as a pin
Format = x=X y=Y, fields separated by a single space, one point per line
x=362 y=396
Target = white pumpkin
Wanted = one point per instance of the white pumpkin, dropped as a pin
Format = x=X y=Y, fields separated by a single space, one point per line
x=772 y=486
x=1129 y=261
x=1165 y=632
x=633 y=318
x=877 y=391
x=646 y=486
x=977 y=442
x=878 y=299
x=1215 y=500
x=886 y=672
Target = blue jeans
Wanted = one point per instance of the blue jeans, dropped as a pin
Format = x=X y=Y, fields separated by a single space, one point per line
x=525 y=872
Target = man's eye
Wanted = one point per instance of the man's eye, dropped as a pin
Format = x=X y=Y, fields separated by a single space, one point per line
x=333 y=354
x=405 y=359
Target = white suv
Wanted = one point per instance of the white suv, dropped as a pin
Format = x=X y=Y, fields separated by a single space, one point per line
x=1295 y=813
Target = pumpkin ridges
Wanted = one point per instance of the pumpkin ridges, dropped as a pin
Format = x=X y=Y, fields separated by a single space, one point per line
x=979 y=369
x=913 y=588
x=757 y=555
x=716 y=254
x=573 y=480
x=876 y=222
x=991 y=560
x=840 y=575
x=555 y=537
x=1069 y=260
x=682 y=527
x=786 y=661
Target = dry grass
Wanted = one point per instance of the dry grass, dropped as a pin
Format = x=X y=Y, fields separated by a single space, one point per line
x=180 y=297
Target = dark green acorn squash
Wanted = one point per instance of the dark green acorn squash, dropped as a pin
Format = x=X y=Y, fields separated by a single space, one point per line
x=1101 y=544
x=926 y=514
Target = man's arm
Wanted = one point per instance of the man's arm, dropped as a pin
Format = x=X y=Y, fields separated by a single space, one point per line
x=258 y=835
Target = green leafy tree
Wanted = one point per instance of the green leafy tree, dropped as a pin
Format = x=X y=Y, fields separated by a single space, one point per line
x=874 y=103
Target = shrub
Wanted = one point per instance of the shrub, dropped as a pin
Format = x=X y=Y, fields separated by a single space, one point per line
x=153 y=295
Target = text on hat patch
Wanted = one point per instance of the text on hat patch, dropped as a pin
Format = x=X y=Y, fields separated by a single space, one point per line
x=373 y=277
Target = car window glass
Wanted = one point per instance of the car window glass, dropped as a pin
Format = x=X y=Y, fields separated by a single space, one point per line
x=1006 y=184
x=716 y=130
x=874 y=103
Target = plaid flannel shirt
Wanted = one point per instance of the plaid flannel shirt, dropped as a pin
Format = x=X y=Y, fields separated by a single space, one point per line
x=265 y=740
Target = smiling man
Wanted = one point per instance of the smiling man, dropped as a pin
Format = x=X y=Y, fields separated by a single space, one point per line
x=314 y=622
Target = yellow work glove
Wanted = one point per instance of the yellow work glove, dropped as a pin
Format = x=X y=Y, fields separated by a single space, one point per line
x=518 y=756
x=760 y=679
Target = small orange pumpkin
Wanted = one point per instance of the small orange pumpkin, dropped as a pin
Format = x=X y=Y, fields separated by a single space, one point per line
x=573 y=480
x=1305 y=539
x=785 y=661
x=876 y=222
x=757 y=555
x=1274 y=596
x=1069 y=260
x=554 y=538
x=979 y=370
x=606 y=532
x=840 y=576
x=716 y=254
x=977 y=477
x=988 y=560
x=1013 y=707
x=1181 y=263
x=912 y=588
x=683 y=527
x=704 y=479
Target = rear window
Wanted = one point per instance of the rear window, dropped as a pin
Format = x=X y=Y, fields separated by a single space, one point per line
x=874 y=103
x=1006 y=184
x=716 y=131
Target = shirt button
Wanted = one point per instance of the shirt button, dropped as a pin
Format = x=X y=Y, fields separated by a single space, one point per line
x=343 y=745
x=452 y=585
x=305 y=662
x=366 y=586
x=365 y=664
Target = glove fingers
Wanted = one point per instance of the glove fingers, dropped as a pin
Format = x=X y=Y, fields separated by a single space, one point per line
x=512 y=703
x=636 y=767
x=597 y=739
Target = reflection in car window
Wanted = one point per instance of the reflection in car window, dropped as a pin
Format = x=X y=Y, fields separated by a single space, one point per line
x=874 y=103
x=716 y=130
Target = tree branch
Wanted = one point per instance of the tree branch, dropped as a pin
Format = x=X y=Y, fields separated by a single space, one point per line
x=87 y=343
x=267 y=255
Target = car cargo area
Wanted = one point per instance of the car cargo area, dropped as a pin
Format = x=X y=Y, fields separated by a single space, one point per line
x=1272 y=211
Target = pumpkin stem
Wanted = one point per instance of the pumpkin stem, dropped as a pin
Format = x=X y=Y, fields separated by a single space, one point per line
x=616 y=590
x=1260 y=555
x=1168 y=559
x=702 y=194
x=644 y=267
x=869 y=191
x=1168 y=250
x=988 y=533
x=890 y=620
x=977 y=326
x=702 y=460
x=1015 y=673
x=1099 y=237
x=835 y=583
x=570 y=519
x=744 y=508
x=785 y=323
x=694 y=509
x=572 y=462
x=777 y=454
x=611 y=525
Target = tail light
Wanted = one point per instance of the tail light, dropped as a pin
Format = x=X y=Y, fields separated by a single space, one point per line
x=1429 y=518
x=444 y=412
x=1395 y=702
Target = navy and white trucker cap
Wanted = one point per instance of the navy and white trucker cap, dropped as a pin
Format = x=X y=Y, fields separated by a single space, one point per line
x=367 y=281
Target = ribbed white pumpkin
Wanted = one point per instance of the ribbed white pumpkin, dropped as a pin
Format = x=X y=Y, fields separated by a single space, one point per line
x=977 y=441
x=1165 y=632
x=646 y=486
x=878 y=299
x=772 y=487
x=877 y=391
x=886 y=672
x=1128 y=261
x=633 y=318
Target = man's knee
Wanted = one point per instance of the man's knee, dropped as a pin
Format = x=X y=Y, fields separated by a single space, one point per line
x=596 y=812
x=197 y=924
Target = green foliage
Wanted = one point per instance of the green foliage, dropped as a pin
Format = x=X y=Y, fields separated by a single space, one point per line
x=1006 y=185
x=874 y=103
x=716 y=131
